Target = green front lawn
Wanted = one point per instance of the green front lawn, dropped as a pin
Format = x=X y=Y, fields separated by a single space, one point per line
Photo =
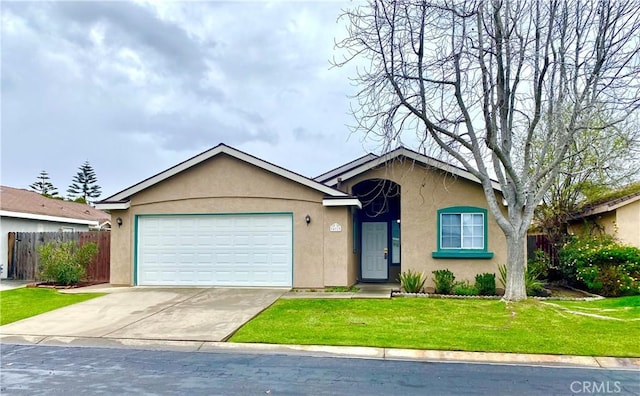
x=446 y=324
x=25 y=302
x=626 y=308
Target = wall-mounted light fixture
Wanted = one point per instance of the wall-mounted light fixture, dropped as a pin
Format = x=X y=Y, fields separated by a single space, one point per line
x=307 y=218
x=119 y=221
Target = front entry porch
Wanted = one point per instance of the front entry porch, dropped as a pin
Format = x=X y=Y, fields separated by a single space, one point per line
x=378 y=224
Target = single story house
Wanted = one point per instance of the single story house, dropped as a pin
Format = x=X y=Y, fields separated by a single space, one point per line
x=227 y=218
x=618 y=216
x=27 y=211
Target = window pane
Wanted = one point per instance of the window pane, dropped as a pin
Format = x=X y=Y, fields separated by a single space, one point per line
x=451 y=231
x=395 y=242
x=478 y=242
x=473 y=231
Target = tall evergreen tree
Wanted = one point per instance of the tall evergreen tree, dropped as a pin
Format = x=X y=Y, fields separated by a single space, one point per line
x=43 y=186
x=84 y=184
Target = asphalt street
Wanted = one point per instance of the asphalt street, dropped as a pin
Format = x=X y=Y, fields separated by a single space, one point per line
x=35 y=369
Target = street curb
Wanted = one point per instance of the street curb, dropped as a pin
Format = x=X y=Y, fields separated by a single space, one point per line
x=597 y=362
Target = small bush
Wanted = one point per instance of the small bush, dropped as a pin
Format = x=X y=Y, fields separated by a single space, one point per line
x=502 y=268
x=412 y=282
x=65 y=264
x=444 y=280
x=540 y=264
x=464 y=289
x=602 y=265
x=486 y=284
x=533 y=285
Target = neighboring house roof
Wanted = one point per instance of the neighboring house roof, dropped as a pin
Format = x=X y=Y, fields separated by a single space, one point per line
x=15 y=202
x=331 y=178
x=603 y=206
x=121 y=200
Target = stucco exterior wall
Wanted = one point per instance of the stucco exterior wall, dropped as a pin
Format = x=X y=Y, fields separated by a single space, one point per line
x=628 y=222
x=121 y=266
x=353 y=261
x=338 y=268
x=14 y=224
x=422 y=192
x=623 y=223
x=607 y=223
x=226 y=185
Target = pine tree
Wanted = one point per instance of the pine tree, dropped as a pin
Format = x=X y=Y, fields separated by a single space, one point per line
x=84 y=184
x=43 y=186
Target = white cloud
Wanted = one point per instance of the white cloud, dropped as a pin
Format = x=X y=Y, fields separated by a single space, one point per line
x=137 y=87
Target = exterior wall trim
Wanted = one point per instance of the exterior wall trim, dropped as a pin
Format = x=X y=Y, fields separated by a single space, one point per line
x=113 y=205
x=462 y=253
x=342 y=202
x=34 y=216
x=413 y=156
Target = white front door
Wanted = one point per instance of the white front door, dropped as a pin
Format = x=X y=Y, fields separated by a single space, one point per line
x=374 y=251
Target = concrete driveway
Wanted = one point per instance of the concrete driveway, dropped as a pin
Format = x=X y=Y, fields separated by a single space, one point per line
x=210 y=314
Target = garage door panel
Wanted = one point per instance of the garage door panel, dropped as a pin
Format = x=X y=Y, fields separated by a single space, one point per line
x=211 y=250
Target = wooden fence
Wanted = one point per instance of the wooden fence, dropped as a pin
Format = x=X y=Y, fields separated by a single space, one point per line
x=23 y=257
x=541 y=242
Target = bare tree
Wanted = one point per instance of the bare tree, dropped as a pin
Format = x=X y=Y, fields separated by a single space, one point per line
x=503 y=87
x=600 y=160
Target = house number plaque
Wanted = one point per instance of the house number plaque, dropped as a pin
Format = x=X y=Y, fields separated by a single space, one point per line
x=335 y=227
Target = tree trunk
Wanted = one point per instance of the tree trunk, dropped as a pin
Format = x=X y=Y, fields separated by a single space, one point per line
x=515 y=289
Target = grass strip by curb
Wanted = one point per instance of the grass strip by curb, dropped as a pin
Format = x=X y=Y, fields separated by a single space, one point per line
x=442 y=324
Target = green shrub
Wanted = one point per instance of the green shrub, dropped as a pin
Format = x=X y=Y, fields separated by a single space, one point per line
x=412 y=282
x=444 y=280
x=486 y=284
x=533 y=285
x=540 y=264
x=602 y=265
x=66 y=263
x=502 y=268
x=464 y=289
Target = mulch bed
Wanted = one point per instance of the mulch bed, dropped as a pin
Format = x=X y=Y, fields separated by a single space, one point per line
x=52 y=285
x=558 y=292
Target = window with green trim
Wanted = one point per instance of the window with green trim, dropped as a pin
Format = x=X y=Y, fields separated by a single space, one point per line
x=462 y=233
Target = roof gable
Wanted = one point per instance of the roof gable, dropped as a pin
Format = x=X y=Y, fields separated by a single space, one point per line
x=120 y=199
x=394 y=154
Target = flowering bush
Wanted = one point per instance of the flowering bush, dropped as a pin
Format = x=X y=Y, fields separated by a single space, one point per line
x=601 y=264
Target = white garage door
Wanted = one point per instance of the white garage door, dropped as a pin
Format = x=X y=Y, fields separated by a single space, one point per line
x=216 y=250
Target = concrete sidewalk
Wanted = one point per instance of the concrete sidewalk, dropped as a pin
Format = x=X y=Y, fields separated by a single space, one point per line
x=9 y=284
x=365 y=291
x=334 y=351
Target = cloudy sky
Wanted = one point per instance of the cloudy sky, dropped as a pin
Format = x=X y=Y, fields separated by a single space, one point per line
x=136 y=87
